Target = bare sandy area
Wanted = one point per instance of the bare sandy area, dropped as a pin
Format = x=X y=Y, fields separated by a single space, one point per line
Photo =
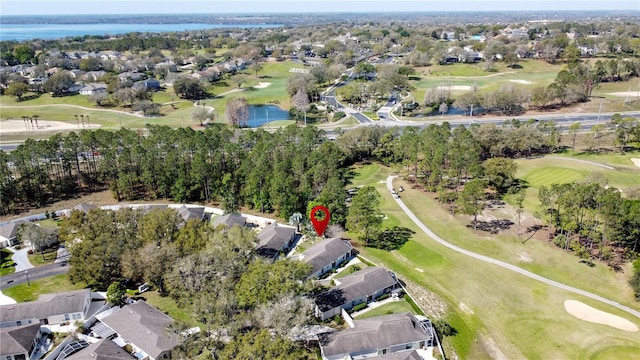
x=525 y=82
x=458 y=87
x=18 y=126
x=635 y=161
x=587 y=313
x=625 y=93
x=262 y=85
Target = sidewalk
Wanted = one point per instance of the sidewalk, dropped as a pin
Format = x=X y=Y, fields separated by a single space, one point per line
x=5 y=300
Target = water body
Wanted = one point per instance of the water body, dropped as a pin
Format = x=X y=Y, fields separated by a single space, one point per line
x=22 y=32
x=261 y=114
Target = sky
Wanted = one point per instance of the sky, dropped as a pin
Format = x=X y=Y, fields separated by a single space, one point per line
x=73 y=7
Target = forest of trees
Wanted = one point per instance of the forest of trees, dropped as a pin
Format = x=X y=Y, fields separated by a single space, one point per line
x=214 y=275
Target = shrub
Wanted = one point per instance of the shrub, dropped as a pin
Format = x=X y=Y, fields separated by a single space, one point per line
x=359 y=307
x=382 y=297
x=338 y=115
x=30 y=252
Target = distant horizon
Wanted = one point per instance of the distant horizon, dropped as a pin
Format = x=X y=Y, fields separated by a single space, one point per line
x=204 y=7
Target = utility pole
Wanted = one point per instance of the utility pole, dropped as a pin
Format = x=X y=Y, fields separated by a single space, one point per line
x=599 y=112
x=470 y=114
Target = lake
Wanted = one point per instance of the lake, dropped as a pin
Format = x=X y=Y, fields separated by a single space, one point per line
x=261 y=114
x=22 y=32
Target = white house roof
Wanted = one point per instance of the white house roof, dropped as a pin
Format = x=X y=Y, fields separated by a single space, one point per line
x=47 y=305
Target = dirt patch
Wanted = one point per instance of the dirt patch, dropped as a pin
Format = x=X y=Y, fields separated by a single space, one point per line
x=429 y=302
x=635 y=161
x=525 y=82
x=625 y=93
x=465 y=308
x=523 y=256
x=418 y=270
x=587 y=313
x=19 y=126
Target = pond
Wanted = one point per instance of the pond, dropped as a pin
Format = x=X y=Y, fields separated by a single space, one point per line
x=262 y=114
x=451 y=111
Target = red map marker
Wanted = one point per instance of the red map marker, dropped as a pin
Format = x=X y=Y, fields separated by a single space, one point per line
x=320 y=225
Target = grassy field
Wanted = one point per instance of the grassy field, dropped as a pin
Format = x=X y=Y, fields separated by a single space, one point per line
x=394 y=307
x=497 y=313
x=167 y=305
x=25 y=292
x=562 y=169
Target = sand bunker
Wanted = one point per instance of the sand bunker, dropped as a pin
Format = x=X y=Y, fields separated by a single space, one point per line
x=635 y=161
x=457 y=87
x=521 y=82
x=18 y=126
x=625 y=94
x=262 y=85
x=585 y=312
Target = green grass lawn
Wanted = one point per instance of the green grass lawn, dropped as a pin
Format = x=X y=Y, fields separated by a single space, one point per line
x=546 y=171
x=24 y=292
x=394 y=307
x=350 y=270
x=48 y=256
x=167 y=305
x=524 y=318
x=7 y=266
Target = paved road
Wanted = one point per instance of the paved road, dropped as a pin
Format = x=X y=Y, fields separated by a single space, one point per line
x=505 y=265
x=39 y=272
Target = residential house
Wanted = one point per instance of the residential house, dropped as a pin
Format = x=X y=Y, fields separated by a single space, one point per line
x=171 y=67
x=378 y=336
x=151 y=84
x=133 y=76
x=94 y=76
x=400 y=355
x=274 y=239
x=20 y=342
x=229 y=220
x=326 y=255
x=77 y=74
x=9 y=233
x=104 y=349
x=85 y=208
x=448 y=36
x=49 y=309
x=94 y=88
x=188 y=213
x=362 y=286
x=143 y=328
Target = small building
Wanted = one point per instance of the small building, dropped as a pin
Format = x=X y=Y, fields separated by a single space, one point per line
x=85 y=208
x=326 y=255
x=93 y=88
x=143 y=328
x=378 y=336
x=188 y=213
x=9 y=233
x=19 y=343
x=104 y=349
x=229 y=220
x=49 y=309
x=151 y=84
x=274 y=239
x=362 y=286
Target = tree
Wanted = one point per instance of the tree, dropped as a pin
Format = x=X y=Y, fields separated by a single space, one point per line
x=239 y=79
x=189 y=88
x=116 y=294
x=237 y=112
x=38 y=237
x=260 y=345
x=59 y=83
x=256 y=67
x=573 y=130
x=301 y=102
x=364 y=217
x=200 y=114
x=470 y=199
x=443 y=108
x=17 y=89
x=363 y=68
x=500 y=173
x=264 y=282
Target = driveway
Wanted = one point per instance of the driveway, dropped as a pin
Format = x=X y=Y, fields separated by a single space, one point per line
x=22 y=260
x=505 y=265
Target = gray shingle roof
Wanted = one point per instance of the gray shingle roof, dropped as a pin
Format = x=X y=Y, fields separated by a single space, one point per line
x=46 y=305
x=374 y=333
x=188 y=213
x=229 y=220
x=144 y=326
x=104 y=349
x=10 y=229
x=272 y=239
x=360 y=284
x=325 y=252
x=85 y=207
x=400 y=355
x=17 y=339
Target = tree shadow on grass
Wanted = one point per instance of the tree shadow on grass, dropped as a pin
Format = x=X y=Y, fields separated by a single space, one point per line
x=392 y=239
